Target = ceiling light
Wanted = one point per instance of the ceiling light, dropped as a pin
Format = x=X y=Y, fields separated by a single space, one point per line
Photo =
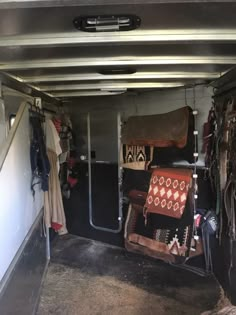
x=106 y=23
x=119 y=90
x=117 y=71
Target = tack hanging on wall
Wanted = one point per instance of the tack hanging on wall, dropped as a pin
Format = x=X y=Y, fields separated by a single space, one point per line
x=35 y=111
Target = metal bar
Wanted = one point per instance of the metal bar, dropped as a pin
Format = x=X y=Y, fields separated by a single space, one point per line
x=136 y=76
x=100 y=228
x=131 y=37
x=10 y=91
x=16 y=83
x=120 y=194
x=49 y=111
x=14 y=4
x=48 y=249
x=31 y=87
x=111 y=86
x=225 y=89
x=86 y=93
x=118 y=61
x=225 y=79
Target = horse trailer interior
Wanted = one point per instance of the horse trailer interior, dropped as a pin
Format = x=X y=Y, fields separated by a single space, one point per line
x=117 y=157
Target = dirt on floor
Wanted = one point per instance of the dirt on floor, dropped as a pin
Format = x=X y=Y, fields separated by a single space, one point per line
x=91 y=278
x=68 y=291
x=223 y=307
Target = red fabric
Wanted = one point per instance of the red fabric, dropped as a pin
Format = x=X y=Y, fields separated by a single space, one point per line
x=197 y=220
x=57 y=124
x=72 y=181
x=137 y=197
x=56 y=226
x=168 y=192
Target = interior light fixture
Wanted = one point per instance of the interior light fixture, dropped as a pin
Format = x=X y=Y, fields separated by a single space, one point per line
x=111 y=90
x=107 y=23
x=118 y=71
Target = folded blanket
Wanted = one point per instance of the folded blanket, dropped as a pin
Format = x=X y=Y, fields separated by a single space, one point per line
x=167 y=156
x=177 y=240
x=136 y=157
x=159 y=221
x=168 y=192
x=170 y=245
x=162 y=130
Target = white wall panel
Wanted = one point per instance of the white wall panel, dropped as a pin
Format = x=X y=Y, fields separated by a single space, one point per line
x=18 y=208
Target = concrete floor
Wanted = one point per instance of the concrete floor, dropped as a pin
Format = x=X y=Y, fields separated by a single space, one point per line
x=86 y=277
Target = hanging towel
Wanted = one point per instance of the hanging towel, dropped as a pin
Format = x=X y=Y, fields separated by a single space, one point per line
x=53 y=205
x=136 y=157
x=162 y=130
x=53 y=140
x=54 y=215
x=168 y=192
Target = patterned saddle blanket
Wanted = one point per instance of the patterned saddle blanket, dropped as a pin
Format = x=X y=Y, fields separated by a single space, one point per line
x=168 y=192
x=136 y=157
x=173 y=243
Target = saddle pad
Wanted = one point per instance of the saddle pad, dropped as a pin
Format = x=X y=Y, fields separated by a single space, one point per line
x=171 y=245
x=177 y=240
x=159 y=221
x=162 y=130
x=136 y=157
x=166 y=156
x=168 y=192
x=148 y=251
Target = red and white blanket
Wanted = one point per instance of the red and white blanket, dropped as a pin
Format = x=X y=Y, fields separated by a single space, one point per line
x=168 y=192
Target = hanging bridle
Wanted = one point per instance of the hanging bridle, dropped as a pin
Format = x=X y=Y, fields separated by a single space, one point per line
x=229 y=191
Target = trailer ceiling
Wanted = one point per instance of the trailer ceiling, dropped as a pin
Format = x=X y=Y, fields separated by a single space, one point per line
x=179 y=43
